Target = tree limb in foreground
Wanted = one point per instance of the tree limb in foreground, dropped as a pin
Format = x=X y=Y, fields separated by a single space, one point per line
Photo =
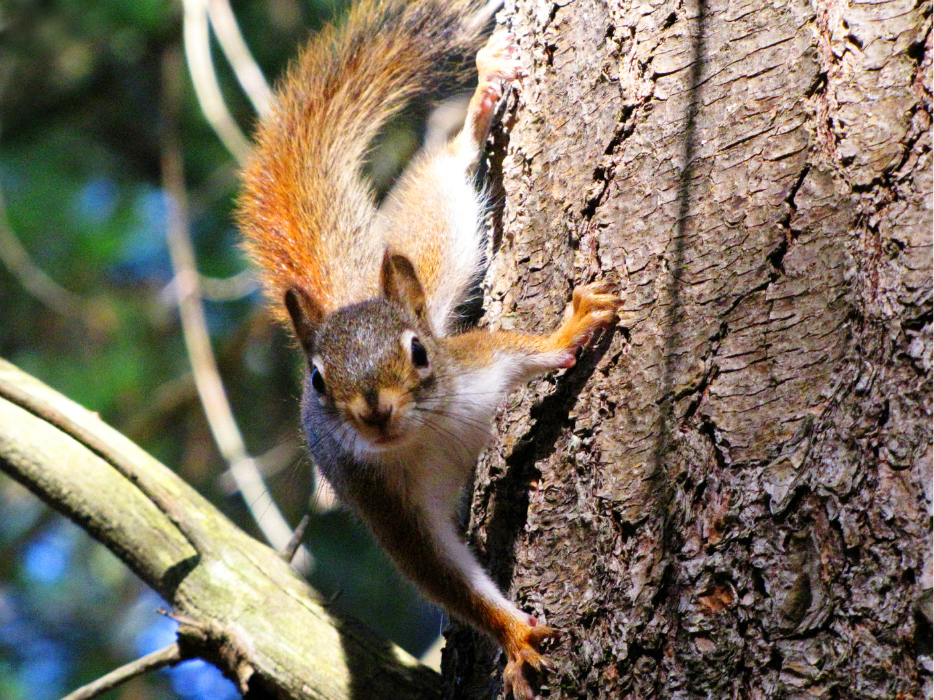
x=249 y=612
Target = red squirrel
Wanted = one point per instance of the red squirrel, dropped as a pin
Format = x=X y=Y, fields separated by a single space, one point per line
x=397 y=404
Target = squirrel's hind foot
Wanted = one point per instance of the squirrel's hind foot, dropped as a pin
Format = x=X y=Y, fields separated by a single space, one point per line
x=523 y=651
x=497 y=62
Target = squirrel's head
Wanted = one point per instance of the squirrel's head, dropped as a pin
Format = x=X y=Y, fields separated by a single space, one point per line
x=372 y=363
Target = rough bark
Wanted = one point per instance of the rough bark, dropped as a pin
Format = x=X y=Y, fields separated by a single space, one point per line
x=241 y=606
x=730 y=497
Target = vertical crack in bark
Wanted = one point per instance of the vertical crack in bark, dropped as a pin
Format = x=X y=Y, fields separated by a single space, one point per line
x=777 y=256
x=549 y=421
x=604 y=173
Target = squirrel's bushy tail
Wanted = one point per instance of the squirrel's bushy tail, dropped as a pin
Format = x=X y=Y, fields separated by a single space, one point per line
x=306 y=216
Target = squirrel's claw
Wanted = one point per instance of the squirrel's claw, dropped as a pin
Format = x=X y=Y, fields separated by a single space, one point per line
x=497 y=61
x=595 y=300
x=592 y=308
x=525 y=652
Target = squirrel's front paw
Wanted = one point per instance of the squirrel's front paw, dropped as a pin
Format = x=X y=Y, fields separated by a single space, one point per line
x=522 y=651
x=592 y=307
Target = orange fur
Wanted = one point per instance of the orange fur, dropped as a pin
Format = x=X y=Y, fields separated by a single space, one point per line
x=592 y=307
x=306 y=217
x=311 y=225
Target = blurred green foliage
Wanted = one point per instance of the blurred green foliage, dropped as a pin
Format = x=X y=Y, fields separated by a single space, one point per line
x=80 y=176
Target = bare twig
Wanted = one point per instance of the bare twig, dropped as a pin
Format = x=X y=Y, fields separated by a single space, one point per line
x=31 y=276
x=288 y=554
x=169 y=656
x=281 y=455
x=204 y=79
x=241 y=60
x=194 y=328
x=169 y=397
x=17 y=259
x=228 y=288
x=243 y=283
x=324 y=498
x=431 y=657
x=220 y=289
x=485 y=13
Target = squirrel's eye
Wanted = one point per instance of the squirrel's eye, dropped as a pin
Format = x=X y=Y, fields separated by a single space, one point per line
x=419 y=354
x=317 y=381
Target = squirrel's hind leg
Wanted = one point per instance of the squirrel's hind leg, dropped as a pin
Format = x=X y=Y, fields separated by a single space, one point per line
x=433 y=214
x=497 y=66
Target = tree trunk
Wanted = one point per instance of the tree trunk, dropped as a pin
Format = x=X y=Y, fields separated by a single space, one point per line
x=730 y=496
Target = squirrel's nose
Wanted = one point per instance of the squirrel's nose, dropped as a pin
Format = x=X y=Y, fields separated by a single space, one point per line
x=379 y=416
x=379 y=411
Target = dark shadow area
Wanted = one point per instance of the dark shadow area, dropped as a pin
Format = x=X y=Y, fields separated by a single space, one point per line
x=550 y=421
x=674 y=310
x=469 y=654
x=660 y=494
x=395 y=680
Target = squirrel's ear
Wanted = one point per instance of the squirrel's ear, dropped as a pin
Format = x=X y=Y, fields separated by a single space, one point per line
x=400 y=284
x=306 y=315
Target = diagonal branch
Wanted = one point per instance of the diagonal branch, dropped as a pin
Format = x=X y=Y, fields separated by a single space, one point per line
x=248 y=611
x=238 y=53
x=31 y=276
